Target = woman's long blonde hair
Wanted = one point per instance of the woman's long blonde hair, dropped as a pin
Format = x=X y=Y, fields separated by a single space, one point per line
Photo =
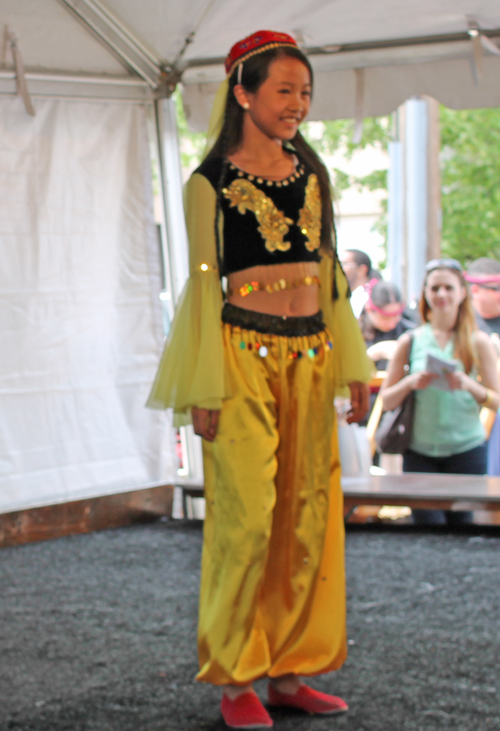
x=465 y=324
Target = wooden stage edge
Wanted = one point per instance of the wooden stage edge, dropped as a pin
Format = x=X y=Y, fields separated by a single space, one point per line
x=85 y=516
x=424 y=491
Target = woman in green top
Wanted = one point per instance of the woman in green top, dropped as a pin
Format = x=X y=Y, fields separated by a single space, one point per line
x=447 y=434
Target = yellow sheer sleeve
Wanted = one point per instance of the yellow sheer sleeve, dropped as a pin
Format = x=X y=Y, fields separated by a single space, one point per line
x=191 y=370
x=349 y=349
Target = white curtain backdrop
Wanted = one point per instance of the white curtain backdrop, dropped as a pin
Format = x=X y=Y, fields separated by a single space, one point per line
x=80 y=323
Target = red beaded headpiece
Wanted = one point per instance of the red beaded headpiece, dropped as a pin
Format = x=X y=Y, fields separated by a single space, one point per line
x=256 y=43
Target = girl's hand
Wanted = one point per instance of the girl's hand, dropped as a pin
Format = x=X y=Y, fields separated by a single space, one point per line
x=419 y=381
x=205 y=422
x=458 y=381
x=360 y=400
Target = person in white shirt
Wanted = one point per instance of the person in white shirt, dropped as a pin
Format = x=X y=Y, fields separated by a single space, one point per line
x=358 y=269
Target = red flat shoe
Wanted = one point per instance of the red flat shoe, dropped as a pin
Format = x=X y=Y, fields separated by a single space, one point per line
x=308 y=700
x=246 y=711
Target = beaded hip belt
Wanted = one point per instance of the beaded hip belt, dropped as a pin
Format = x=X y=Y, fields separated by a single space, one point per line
x=277 y=286
x=291 y=327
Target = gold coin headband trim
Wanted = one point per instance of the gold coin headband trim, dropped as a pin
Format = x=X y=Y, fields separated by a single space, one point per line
x=256 y=51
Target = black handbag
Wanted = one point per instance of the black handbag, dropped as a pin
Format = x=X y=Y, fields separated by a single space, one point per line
x=394 y=432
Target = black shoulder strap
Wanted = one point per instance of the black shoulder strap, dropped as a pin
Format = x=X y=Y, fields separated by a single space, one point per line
x=410 y=346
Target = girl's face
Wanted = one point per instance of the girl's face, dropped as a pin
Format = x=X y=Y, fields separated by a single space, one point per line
x=444 y=291
x=386 y=318
x=283 y=100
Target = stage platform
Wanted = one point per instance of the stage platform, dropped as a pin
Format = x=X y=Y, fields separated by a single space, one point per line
x=422 y=490
x=85 y=516
x=432 y=491
x=448 y=492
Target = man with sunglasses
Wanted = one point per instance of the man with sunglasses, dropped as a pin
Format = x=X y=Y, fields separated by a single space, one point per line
x=483 y=276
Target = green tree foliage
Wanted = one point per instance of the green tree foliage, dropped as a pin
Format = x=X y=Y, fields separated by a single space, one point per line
x=470 y=179
x=330 y=137
x=192 y=144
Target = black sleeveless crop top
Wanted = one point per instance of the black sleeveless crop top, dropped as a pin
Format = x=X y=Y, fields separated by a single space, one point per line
x=267 y=222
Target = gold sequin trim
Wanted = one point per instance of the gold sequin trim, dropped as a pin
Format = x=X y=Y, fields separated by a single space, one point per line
x=310 y=216
x=277 y=286
x=298 y=172
x=207 y=268
x=273 y=224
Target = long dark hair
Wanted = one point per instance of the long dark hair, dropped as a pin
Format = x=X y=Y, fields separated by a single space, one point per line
x=254 y=72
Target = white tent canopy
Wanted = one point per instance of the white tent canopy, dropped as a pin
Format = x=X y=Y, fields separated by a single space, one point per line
x=81 y=264
x=405 y=49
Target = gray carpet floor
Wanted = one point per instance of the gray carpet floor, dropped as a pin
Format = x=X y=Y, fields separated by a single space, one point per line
x=97 y=633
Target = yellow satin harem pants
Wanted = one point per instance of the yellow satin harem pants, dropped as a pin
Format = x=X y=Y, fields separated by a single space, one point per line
x=272 y=598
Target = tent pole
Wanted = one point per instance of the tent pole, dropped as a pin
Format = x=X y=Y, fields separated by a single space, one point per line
x=416 y=138
x=176 y=253
x=414 y=207
x=156 y=163
x=434 y=211
x=395 y=213
x=175 y=250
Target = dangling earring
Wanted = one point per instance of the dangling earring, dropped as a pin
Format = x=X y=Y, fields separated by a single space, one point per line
x=246 y=105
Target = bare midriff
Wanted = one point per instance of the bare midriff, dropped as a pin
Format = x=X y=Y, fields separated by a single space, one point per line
x=296 y=299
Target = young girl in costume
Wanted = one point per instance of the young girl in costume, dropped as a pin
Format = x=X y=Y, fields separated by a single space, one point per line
x=256 y=369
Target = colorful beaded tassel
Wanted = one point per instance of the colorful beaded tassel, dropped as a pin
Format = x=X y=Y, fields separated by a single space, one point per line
x=293 y=352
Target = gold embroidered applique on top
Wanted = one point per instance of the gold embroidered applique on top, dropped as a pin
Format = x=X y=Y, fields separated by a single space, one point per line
x=310 y=216
x=273 y=224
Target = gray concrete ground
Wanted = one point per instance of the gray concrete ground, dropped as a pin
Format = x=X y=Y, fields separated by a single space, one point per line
x=97 y=633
